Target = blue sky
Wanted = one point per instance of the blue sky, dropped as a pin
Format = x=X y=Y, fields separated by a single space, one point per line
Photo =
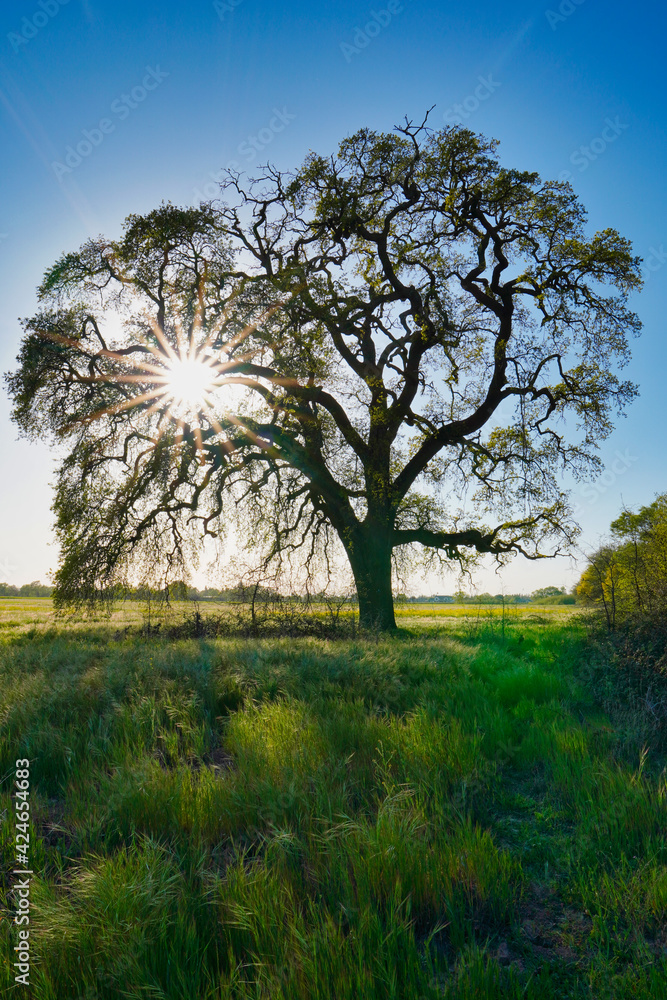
x=158 y=97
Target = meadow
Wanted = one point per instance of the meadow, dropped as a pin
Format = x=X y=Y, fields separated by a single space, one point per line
x=447 y=813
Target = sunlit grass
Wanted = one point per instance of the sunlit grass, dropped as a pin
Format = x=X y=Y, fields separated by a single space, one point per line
x=442 y=814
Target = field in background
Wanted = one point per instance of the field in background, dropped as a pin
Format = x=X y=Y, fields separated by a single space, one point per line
x=445 y=814
x=18 y=613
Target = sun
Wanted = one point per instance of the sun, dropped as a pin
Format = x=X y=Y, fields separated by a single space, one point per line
x=189 y=383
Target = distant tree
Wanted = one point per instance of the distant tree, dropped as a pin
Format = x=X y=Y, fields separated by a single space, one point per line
x=627 y=578
x=179 y=591
x=539 y=595
x=410 y=323
x=35 y=589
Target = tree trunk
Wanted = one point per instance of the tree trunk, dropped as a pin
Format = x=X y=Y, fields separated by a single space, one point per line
x=370 y=559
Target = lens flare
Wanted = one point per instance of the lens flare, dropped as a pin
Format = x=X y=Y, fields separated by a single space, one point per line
x=189 y=383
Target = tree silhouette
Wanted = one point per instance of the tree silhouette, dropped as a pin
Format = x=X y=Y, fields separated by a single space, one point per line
x=400 y=347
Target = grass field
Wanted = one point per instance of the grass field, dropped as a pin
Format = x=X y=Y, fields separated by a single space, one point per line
x=21 y=614
x=442 y=814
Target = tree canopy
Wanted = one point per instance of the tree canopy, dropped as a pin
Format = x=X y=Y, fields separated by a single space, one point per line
x=397 y=348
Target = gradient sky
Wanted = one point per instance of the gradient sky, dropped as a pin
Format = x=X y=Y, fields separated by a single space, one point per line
x=184 y=89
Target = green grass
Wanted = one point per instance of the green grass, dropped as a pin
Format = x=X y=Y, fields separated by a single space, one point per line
x=442 y=814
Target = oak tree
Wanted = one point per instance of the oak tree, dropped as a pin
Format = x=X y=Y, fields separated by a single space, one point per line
x=402 y=346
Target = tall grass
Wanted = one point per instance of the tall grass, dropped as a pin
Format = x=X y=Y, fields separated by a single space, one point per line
x=312 y=819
